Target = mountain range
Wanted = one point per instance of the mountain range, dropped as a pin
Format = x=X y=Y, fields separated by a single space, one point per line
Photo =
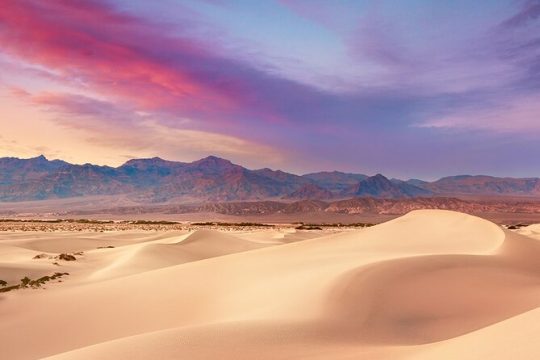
x=156 y=180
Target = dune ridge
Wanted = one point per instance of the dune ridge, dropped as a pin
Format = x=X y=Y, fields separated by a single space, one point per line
x=424 y=285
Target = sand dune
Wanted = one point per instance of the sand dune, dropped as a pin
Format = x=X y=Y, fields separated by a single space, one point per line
x=17 y=262
x=173 y=250
x=532 y=231
x=430 y=285
x=70 y=242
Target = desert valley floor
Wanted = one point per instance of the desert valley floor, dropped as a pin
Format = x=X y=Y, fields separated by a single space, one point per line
x=432 y=284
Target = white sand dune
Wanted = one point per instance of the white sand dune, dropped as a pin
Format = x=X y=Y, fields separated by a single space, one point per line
x=70 y=242
x=429 y=285
x=17 y=251
x=283 y=236
x=173 y=250
x=532 y=231
x=17 y=262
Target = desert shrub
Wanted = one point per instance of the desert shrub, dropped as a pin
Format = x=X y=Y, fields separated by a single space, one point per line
x=9 y=288
x=208 y=223
x=516 y=226
x=88 y=221
x=25 y=282
x=308 y=227
x=57 y=275
x=150 y=222
x=66 y=257
x=204 y=223
x=312 y=226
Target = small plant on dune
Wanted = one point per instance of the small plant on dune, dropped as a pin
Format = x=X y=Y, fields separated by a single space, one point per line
x=249 y=224
x=9 y=288
x=308 y=227
x=58 y=274
x=150 y=222
x=42 y=256
x=25 y=282
x=66 y=257
x=516 y=226
x=42 y=280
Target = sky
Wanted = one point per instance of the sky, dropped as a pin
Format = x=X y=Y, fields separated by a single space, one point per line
x=407 y=88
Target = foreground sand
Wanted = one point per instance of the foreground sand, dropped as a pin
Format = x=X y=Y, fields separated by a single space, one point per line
x=429 y=285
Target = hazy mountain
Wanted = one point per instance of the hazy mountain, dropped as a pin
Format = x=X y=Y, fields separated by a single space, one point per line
x=353 y=206
x=310 y=191
x=14 y=170
x=485 y=185
x=379 y=186
x=152 y=180
x=417 y=182
x=335 y=181
x=39 y=178
x=214 y=179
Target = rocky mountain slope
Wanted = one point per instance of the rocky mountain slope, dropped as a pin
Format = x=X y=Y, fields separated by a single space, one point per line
x=213 y=179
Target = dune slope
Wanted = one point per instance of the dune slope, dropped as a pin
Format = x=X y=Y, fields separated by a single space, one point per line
x=425 y=284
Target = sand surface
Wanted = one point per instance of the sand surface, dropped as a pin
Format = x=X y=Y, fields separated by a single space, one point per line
x=429 y=285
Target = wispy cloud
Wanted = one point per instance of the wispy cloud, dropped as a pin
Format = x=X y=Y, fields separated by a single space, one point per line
x=519 y=116
x=530 y=12
x=123 y=129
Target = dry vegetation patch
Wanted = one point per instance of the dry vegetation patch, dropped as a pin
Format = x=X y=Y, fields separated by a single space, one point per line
x=26 y=282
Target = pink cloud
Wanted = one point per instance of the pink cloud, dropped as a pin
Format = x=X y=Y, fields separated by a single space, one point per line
x=129 y=58
x=106 y=125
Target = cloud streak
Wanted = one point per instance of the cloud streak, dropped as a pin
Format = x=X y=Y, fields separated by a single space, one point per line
x=114 y=127
x=131 y=59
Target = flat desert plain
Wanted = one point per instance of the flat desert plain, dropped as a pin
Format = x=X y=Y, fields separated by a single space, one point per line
x=431 y=284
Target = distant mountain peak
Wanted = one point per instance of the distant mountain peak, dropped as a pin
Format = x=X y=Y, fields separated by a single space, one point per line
x=213 y=161
x=380 y=186
x=213 y=158
x=378 y=177
x=378 y=180
x=41 y=159
x=153 y=160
